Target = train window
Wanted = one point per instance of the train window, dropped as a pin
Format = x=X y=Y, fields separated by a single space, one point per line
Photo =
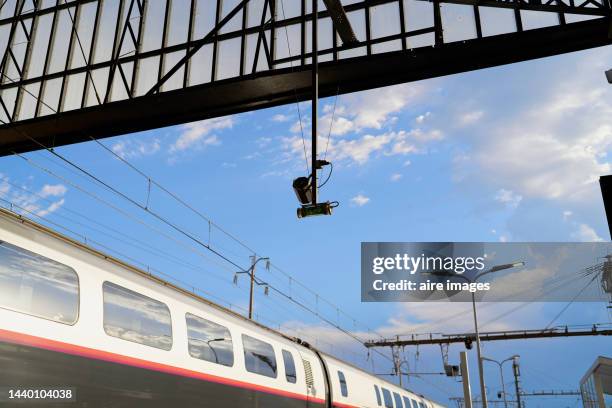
x=407 y=403
x=259 y=356
x=38 y=286
x=387 y=398
x=290 y=373
x=377 y=391
x=209 y=341
x=134 y=317
x=398 y=400
x=421 y=405
x=343 y=387
x=415 y=404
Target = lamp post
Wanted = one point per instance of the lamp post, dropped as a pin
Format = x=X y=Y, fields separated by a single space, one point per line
x=501 y=374
x=496 y=268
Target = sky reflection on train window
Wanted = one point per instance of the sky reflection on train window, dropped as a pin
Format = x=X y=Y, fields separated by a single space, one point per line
x=259 y=356
x=134 y=317
x=35 y=285
x=209 y=341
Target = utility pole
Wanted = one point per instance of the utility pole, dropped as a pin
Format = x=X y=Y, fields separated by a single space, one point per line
x=315 y=98
x=465 y=377
x=254 y=281
x=252 y=275
x=517 y=385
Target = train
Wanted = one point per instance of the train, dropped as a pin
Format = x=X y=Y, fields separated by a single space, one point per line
x=81 y=328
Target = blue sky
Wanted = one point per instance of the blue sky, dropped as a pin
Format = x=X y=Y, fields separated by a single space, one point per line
x=504 y=154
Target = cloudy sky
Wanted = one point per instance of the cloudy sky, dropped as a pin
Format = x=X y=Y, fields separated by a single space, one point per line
x=505 y=154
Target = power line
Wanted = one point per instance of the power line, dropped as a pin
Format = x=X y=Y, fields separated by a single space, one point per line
x=207 y=219
x=158 y=216
x=89 y=241
x=132 y=201
x=150 y=180
x=129 y=240
x=571 y=301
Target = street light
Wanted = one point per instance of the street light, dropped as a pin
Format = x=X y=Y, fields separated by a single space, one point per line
x=501 y=373
x=493 y=269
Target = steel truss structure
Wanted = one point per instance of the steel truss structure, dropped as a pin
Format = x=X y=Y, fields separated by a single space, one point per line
x=75 y=69
x=467 y=338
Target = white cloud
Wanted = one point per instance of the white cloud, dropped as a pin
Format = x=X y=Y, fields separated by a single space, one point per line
x=296 y=128
x=4 y=185
x=421 y=118
x=359 y=150
x=32 y=203
x=263 y=141
x=371 y=109
x=469 y=118
x=50 y=208
x=508 y=198
x=407 y=163
x=136 y=148
x=567 y=214
x=360 y=200
x=555 y=146
x=279 y=117
x=198 y=134
x=585 y=233
x=541 y=165
x=396 y=177
x=54 y=190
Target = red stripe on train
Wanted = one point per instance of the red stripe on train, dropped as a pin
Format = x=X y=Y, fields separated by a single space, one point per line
x=66 y=348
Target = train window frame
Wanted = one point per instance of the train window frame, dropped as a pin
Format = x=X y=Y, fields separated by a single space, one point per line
x=287 y=355
x=226 y=339
x=421 y=405
x=387 y=398
x=343 y=384
x=247 y=359
x=105 y=284
x=398 y=400
x=77 y=282
x=378 y=398
x=407 y=402
x=415 y=404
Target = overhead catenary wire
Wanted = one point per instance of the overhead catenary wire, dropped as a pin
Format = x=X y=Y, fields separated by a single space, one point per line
x=174 y=196
x=120 y=194
x=112 y=206
x=150 y=269
x=120 y=236
x=149 y=179
x=146 y=207
x=554 y=319
x=331 y=123
x=88 y=241
x=152 y=181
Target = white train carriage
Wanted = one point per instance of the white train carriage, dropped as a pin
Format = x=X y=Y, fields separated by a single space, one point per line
x=75 y=319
